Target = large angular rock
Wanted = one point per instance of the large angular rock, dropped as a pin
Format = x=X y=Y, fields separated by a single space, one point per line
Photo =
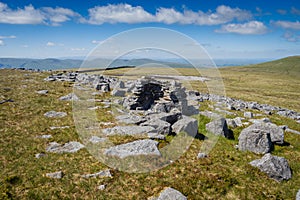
x=136 y=148
x=276 y=133
x=161 y=127
x=275 y=167
x=170 y=194
x=128 y=130
x=70 y=147
x=219 y=127
x=118 y=93
x=54 y=114
x=255 y=140
x=186 y=124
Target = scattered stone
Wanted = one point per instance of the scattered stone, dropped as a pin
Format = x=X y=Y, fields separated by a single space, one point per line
x=258 y=121
x=136 y=148
x=238 y=121
x=201 y=155
x=248 y=114
x=39 y=155
x=42 y=92
x=255 y=140
x=275 y=167
x=70 y=147
x=276 y=133
x=101 y=187
x=186 y=124
x=298 y=195
x=69 y=97
x=231 y=123
x=170 y=194
x=96 y=139
x=128 y=130
x=104 y=173
x=58 y=127
x=44 y=136
x=54 y=114
x=56 y=175
x=219 y=127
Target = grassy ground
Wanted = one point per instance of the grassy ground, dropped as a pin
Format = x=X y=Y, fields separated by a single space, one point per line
x=225 y=174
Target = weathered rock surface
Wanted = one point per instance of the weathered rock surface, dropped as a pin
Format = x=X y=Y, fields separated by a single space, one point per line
x=219 y=127
x=128 y=130
x=70 y=147
x=104 y=173
x=136 y=148
x=130 y=119
x=160 y=126
x=248 y=114
x=58 y=127
x=96 y=139
x=255 y=140
x=298 y=195
x=275 y=167
x=56 y=175
x=54 y=114
x=276 y=133
x=170 y=194
x=171 y=117
x=186 y=124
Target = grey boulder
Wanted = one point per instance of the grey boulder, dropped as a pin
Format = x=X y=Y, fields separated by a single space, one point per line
x=140 y=147
x=186 y=124
x=276 y=133
x=130 y=119
x=69 y=97
x=160 y=126
x=219 y=127
x=170 y=194
x=275 y=167
x=255 y=140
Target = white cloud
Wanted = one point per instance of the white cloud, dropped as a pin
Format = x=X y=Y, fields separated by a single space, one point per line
x=288 y=24
x=78 y=49
x=96 y=41
x=58 y=15
x=2 y=43
x=295 y=11
x=7 y=37
x=25 y=46
x=252 y=27
x=281 y=11
x=50 y=44
x=291 y=37
x=125 y=13
x=31 y=15
x=118 y=13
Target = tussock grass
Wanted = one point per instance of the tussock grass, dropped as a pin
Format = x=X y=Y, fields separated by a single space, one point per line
x=224 y=174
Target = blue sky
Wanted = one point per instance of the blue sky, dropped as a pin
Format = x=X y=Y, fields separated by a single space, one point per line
x=226 y=29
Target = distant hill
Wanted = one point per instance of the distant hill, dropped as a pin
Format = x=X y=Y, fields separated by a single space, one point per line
x=289 y=65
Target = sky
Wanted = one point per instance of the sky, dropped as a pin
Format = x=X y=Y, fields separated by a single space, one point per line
x=241 y=29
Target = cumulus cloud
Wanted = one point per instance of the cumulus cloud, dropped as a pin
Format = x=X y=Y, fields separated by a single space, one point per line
x=78 y=49
x=125 y=13
x=31 y=15
x=288 y=24
x=2 y=43
x=118 y=13
x=252 y=27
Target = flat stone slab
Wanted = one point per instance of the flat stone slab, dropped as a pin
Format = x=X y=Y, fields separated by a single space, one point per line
x=96 y=139
x=140 y=147
x=127 y=130
x=170 y=194
x=70 y=147
x=130 y=119
x=275 y=167
x=104 y=173
x=54 y=114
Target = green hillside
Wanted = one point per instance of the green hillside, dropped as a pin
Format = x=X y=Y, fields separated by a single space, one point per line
x=289 y=66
